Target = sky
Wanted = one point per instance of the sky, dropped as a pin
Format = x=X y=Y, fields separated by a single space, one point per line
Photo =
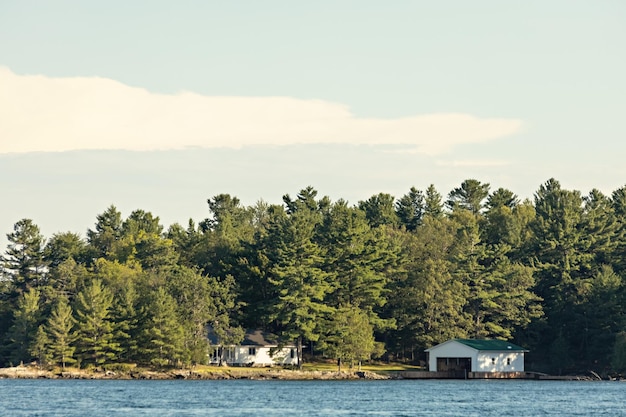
x=161 y=105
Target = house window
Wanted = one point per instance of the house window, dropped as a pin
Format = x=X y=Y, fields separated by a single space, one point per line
x=252 y=351
x=292 y=353
x=508 y=361
x=493 y=361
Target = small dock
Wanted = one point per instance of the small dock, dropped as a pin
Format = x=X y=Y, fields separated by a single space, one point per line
x=486 y=375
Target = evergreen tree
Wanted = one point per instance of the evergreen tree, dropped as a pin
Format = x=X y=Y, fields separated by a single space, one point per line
x=355 y=260
x=379 y=210
x=469 y=196
x=161 y=336
x=350 y=337
x=65 y=279
x=125 y=322
x=410 y=209
x=433 y=205
x=562 y=263
x=94 y=329
x=59 y=331
x=23 y=332
x=186 y=242
x=618 y=202
x=602 y=231
x=502 y=198
x=618 y=358
x=196 y=308
x=426 y=302
x=103 y=241
x=256 y=292
x=63 y=246
x=39 y=349
x=23 y=260
x=225 y=307
x=300 y=282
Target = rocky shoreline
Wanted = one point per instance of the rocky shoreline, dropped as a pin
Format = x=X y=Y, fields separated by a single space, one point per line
x=28 y=372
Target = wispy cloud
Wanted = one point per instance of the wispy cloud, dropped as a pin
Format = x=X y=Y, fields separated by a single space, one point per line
x=40 y=113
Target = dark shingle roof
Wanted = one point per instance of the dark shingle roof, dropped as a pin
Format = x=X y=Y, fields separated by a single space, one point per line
x=259 y=338
x=488 y=344
x=251 y=338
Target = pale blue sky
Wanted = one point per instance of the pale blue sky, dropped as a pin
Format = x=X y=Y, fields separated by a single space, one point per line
x=545 y=79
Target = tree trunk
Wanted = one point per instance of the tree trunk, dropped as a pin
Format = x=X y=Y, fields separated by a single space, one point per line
x=299 y=352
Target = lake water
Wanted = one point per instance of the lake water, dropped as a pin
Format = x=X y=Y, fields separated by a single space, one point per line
x=311 y=398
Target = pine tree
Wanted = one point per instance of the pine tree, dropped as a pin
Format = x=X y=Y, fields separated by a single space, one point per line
x=349 y=337
x=23 y=259
x=103 y=241
x=410 y=209
x=196 y=308
x=39 y=349
x=379 y=210
x=22 y=333
x=59 y=330
x=355 y=260
x=300 y=282
x=433 y=206
x=161 y=337
x=468 y=196
x=94 y=329
x=125 y=322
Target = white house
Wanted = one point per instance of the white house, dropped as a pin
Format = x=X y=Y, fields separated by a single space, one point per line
x=476 y=355
x=257 y=349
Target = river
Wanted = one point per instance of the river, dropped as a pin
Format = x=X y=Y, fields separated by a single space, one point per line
x=480 y=398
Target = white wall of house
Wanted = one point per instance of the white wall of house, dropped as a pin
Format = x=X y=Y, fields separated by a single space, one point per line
x=257 y=356
x=450 y=349
x=482 y=361
x=265 y=356
x=494 y=361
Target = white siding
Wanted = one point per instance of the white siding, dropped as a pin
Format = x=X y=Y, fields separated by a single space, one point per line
x=450 y=349
x=494 y=361
x=262 y=356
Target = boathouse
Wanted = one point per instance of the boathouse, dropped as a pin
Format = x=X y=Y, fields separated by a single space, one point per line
x=476 y=355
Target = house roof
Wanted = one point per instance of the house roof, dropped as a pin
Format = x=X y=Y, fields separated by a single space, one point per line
x=259 y=338
x=485 y=345
x=490 y=344
x=251 y=338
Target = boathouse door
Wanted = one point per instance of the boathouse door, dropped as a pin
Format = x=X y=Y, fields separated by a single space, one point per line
x=454 y=364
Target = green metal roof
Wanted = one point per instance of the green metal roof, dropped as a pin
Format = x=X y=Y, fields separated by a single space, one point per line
x=488 y=344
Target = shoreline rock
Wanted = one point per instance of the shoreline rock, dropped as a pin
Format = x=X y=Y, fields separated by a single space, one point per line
x=30 y=372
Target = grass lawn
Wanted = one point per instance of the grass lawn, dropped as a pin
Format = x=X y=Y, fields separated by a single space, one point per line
x=315 y=366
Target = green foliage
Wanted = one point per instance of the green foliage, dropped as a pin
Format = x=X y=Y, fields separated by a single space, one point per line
x=64 y=246
x=94 y=329
x=23 y=260
x=410 y=209
x=618 y=358
x=355 y=259
x=379 y=210
x=22 y=334
x=468 y=196
x=433 y=206
x=103 y=240
x=549 y=274
x=60 y=334
x=161 y=334
x=349 y=336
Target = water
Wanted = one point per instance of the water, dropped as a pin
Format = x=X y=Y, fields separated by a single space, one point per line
x=311 y=398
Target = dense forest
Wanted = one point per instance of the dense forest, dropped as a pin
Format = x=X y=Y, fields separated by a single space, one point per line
x=384 y=278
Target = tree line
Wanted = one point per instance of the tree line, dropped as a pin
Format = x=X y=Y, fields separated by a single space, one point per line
x=383 y=278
